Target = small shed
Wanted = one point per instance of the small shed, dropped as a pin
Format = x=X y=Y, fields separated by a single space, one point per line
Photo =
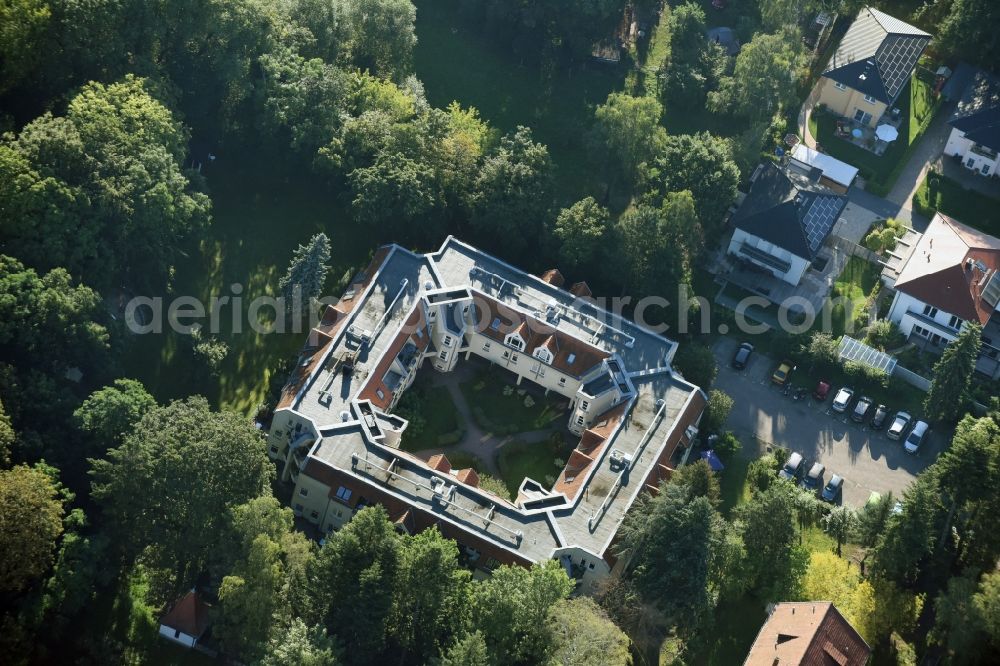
x=837 y=175
x=186 y=621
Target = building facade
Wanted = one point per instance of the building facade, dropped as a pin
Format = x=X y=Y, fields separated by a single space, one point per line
x=335 y=437
x=975 y=126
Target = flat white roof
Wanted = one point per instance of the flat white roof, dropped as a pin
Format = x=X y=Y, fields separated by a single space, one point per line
x=832 y=168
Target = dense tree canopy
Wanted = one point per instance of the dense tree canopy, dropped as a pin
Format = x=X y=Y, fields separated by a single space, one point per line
x=953 y=375
x=582 y=635
x=100 y=191
x=110 y=413
x=694 y=64
x=31 y=512
x=658 y=245
x=582 y=231
x=763 y=79
x=628 y=129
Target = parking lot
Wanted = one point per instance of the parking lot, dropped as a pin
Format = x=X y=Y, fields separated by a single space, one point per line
x=867 y=459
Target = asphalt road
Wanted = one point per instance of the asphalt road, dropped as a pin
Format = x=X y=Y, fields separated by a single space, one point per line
x=868 y=460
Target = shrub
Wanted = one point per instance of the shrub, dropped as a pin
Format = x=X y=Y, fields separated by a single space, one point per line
x=882 y=334
x=717 y=411
x=728 y=443
x=866 y=375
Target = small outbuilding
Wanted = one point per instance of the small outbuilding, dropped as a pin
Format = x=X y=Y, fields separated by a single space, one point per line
x=186 y=621
x=837 y=175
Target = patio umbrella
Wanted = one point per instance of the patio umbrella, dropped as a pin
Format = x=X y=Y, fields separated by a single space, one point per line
x=713 y=460
x=886 y=132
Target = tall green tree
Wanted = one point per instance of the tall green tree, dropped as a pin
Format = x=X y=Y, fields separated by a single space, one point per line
x=953 y=375
x=31 y=512
x=695 y=64
x=766 y=523
x=513 y=192
x=300 y=645
x=763 y=79
x=110 y=413
x=583 y=635
x=912 y=536
x=306 y=273
x=22 y=27
x=839 y=524
x=666 y=539
x=628 y=129
x=659 y=245
x=171 y=482
x=872 y=519
x=101 y=190
x=469 y=650
x=510 y=608
x=248 y=600
x=383 y=35
x=353 y=583
x=582 y=231
x=968 y=31
x=702 y=164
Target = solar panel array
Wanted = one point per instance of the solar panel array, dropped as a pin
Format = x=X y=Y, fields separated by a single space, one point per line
x=852 y=350
x=896 y=57
x=820 y=218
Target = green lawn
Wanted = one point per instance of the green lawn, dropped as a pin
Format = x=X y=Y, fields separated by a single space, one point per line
x=917 y=105
x=541 y=461
x=440 y=424
x=850 y=293
x=258 y=220
x=499 y=407
x=733 y=481
x=941 y=194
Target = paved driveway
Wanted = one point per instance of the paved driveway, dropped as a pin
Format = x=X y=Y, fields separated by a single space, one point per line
x=868 y=461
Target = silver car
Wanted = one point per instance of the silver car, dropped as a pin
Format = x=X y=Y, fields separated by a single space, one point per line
x=900 y=423
x=916 y=437
x=842 y=399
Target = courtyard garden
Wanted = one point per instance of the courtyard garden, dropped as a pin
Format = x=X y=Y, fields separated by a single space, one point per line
x=539 y=461
x=940 y=194
x=501 y=408
x=434 y=421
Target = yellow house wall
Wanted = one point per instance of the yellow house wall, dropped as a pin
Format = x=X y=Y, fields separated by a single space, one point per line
x=845 y=102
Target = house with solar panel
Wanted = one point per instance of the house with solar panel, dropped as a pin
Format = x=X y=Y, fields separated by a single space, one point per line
x=975 y=125
x=950 y=277
x=871 y=66
x=784 y=221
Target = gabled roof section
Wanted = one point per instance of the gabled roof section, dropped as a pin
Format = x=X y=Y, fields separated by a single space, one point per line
x=950 y=267
x=189 y=615
x=790 y=211
x=978 y=111
x=877 y=55
x=808 y=633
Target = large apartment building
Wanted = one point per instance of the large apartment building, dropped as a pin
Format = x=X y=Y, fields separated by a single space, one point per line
x=336 y=438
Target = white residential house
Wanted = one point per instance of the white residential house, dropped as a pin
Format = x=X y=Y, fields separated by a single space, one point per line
x=783 y=222
x=975 y=133
x=950 y=279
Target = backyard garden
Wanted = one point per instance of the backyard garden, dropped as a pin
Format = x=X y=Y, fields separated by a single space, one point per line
x=940 y=194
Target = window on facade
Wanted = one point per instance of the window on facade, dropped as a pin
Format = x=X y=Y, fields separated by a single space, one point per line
x=314 y=514
x=506 y=354
x=443 y=355
x=584 y=405
x=986 y=169
x=274 y=449
x=839 y=86
x=971 y=163
x=930 y=311
x=579 y=420
x=486 y=347
x=869 y=99
x=298 y=507
x=303 y=491
x=447 y=341
x=955 y=322
x=432 y=315
x=343 y=493
x=513 y=358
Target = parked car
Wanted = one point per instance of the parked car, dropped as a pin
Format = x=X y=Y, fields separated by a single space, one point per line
x=833 y=489
x=814 y=478
x=842 y=399
x=861 y=408
x=900 y=424
x=742 y=356
x=782 y=373
x=822 y=390
x=880 y=417
x=793 y=467
x=916 y=437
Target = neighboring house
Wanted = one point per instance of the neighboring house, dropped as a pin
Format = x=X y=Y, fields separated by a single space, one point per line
x=187 y=620
x=783 y=222
x=871 y=66
x=335 y=437
x=837 y=175
x=975 y=133
x=807 y=633
x=951 y=277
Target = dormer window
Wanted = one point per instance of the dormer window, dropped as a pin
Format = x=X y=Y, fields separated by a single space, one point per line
x=839 y=86
x=514 y=340
x=869 y=99
x=543 y=355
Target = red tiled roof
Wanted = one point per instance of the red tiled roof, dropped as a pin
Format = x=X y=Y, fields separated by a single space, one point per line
x=440 y=463
x=375 y=384
x=553 y=277
x=808 y=633
x=468 y=477
x=572 y=356
x=938 y=272
x=189 y=615
x=581 y=290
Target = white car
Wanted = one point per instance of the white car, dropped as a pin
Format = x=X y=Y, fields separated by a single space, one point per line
x=842 y=399
x=900 y=423
x=916 y=437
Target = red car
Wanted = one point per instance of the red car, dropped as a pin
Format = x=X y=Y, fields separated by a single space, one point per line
x=822 y=389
